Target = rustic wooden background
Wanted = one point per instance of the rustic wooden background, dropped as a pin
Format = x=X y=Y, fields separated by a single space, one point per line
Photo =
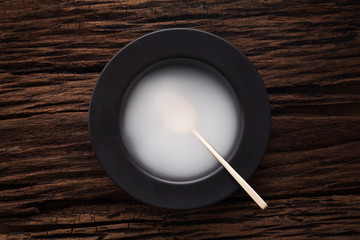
x=51 y=184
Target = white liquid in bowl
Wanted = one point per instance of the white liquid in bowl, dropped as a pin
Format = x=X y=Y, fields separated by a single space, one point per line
x=178 y=155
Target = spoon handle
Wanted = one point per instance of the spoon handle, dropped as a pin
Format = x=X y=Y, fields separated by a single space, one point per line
x=232 y=171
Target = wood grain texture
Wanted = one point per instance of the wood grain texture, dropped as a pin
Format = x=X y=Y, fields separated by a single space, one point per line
x=52 y=186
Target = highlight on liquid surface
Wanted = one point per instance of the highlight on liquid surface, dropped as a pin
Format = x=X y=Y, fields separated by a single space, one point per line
x=155 y=129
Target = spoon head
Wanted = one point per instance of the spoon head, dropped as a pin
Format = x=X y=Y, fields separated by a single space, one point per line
x=175 y=111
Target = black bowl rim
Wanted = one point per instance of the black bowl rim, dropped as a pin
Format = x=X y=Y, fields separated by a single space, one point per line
x=120 y=72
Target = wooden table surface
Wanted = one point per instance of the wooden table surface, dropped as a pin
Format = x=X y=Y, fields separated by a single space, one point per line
x=51 y=184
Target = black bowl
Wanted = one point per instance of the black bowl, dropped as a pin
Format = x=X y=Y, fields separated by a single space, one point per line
x=119 y=75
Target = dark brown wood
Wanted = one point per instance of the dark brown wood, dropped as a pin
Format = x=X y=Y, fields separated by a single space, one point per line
x=52 y=186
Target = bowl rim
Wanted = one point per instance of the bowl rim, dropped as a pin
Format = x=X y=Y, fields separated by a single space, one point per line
x=121 y=71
